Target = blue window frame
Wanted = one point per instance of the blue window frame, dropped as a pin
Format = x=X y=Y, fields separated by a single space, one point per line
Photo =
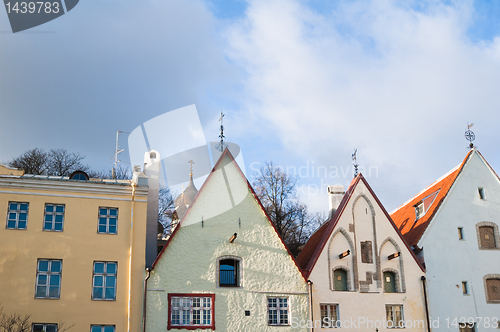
x=104 y=281
x=48 y=279
x=102 y=328
x=108 y=220
x=17 y=216
x=54 y=217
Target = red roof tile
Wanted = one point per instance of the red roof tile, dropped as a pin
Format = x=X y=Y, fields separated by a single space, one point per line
x=405 y=217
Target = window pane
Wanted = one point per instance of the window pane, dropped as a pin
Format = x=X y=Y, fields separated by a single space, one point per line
x=55 y=266
x=43 y=266
x=97 y=293
x=103 y=212
x=11 y=224
x=47 y=226
x=109 y=328
x=59 y=218
x=99 y=267
x=13 y=206
x=42 y=279
x=113 y=212
x=23 y=216
x=12 y=216
x=60 y=208
x=37 y=328
x=54 y=280
x=110 y=293
x=95 y=329
x=49 y=208
x=112 y=229
x=54 y=291
x=98 y=281
x=21 y=225
x=41 y=291
x=58 y=226
x=111 y=268
x=112 y=221
x=24 y=207
x=48 y=217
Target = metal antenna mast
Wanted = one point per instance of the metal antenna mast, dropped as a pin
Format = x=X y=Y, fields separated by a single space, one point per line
x=220 y=146
x=469 y=135
x=117 y=151
x=355 y=162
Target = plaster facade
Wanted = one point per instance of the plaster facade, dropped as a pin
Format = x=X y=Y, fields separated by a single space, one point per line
x=362 y=227
x=188 y=264
x=77 y=246
x=450 y=261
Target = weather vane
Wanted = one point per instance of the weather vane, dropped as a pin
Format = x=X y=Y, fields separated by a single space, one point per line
x=191 y=168
x=355 y=162
x=469 y=135
x=220 y=146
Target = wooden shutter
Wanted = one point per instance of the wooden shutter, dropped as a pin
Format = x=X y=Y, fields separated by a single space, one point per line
x=487 y=237
x=493 y=288
x=340 y=280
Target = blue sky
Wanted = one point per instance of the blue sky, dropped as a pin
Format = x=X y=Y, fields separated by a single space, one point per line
x=302 y=83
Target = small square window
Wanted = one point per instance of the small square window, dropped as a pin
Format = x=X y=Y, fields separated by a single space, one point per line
x=17 y=215
x=460 y=233
x=465 y=288
x=48 y=279
x=104 y=281
x=54 y=217
x=108 y=220
x=102 y=328
x=38 y=327
x=481 y=193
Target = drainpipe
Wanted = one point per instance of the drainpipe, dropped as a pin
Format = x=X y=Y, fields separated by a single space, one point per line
x=426 y=306
x=129 y=309
x=148 y=271
x=310 y=283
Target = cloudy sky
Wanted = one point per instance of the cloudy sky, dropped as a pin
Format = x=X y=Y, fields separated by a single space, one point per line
x=302 y=83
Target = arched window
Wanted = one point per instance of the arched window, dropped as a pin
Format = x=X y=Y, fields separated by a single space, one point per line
x=340 y=280
x=389 y=282
x=229 y=272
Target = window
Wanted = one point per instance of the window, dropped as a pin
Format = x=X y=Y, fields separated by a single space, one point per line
x=54 y=217
x=104 y=281
x=366 y=252
x=188 y=310
x=487 y=237
x=460 y=233
x=44 y=327
x=107 y=220
x=419 y=210
x=102 y=328
x=389 y=282
x=465 y=288
x=329 y=315
x=48 y=279
x=394 y=315
x=340 y=280
x=17 y=217
x=229 y=272
x=277 y=311
x=481 y=193
x=493 y=290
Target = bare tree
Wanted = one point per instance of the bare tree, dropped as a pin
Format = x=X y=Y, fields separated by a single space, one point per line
x=14 y=322
x=32 y=161
x=166 y=211
x=277 y=193
x=62 y=163
x=122 y=173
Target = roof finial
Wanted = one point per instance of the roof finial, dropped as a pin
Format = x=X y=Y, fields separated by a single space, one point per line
x=355 y=162
x=191 y=168
x=469 y=135
x=220 y=146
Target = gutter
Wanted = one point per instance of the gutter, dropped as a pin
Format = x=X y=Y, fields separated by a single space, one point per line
x=426 y=305
x=148 y=271
x=129 y=309
x=310 y=283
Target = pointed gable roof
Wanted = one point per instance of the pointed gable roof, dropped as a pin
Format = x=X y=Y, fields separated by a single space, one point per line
x=405 y=217
x=228 y=154
x=313 y=248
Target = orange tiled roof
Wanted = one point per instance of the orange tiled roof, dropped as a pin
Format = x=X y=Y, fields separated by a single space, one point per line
x=405 y=218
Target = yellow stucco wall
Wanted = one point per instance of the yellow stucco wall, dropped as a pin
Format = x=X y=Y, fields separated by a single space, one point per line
x=189 y=263
x=78 y=246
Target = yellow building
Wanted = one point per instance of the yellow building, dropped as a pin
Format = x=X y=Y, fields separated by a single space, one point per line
x=72 y=250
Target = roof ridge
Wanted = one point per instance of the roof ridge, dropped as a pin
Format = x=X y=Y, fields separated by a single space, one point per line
x=427 y=188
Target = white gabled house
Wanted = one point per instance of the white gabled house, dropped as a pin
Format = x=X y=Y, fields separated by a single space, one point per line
x=452 y=225
x=364 y=276
x=225 y=267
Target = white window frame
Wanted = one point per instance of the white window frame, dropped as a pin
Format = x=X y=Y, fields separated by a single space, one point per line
x=17 y=213
x=329 y=309
x=391 y=308
x=107 y=216
x=53 y=216
x=102 y=327
x=280 y=305
x=44 y=326
x=191 y=310
x=104 y=276
x=48 y=275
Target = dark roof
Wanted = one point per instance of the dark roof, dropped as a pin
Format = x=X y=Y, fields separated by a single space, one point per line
x=405 y=217
x=313 y=248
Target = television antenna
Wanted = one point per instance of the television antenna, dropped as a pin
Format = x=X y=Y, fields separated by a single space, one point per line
x=117 y=152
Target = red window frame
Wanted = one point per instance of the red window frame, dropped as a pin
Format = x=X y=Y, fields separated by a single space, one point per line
x=190 y=327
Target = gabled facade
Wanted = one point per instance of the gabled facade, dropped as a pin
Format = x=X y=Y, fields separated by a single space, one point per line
x=364 y=276
x=225 y=267
x=73 y=251
x=453 y=226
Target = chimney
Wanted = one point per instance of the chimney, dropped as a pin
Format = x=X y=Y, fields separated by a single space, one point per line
x=152 y=167
x=335 y=195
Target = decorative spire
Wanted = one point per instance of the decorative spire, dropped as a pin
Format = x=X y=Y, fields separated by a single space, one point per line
x=220 y=146
x=191 y=168
x=355 y=162
x=469 y=135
